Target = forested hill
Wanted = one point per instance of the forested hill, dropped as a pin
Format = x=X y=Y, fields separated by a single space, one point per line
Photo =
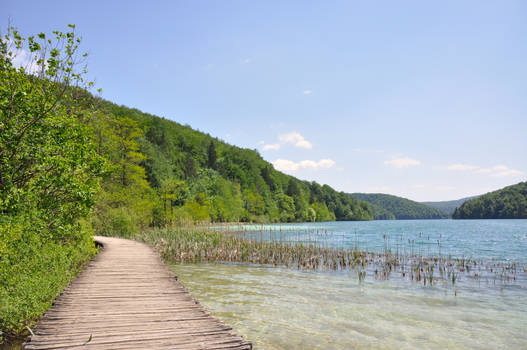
x=387 y=207
x=508 y=203
x=194 y=176
x=448 y=207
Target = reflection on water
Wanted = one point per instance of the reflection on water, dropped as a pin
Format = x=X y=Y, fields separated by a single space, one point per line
x=279 y=308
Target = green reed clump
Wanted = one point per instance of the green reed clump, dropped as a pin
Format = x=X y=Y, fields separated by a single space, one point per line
x=211 y=245
x=183 y=245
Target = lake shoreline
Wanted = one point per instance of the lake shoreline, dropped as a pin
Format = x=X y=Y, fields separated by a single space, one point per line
x=419 y=260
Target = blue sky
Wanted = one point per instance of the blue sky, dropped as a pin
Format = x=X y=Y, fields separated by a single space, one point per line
x=419 y=99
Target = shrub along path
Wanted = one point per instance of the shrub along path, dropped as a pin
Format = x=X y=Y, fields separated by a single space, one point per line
x=126 y=298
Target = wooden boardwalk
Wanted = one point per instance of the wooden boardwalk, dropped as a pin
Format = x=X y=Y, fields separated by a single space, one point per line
x=126 y=298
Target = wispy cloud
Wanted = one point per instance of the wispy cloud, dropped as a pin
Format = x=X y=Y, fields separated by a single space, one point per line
x=295 y=139
x=502 y=170
x=402 y=162
x=307 y=92
x=483 y=171
x=496 y=171
x=291 y=166
x=271 y=147
x=462 y=167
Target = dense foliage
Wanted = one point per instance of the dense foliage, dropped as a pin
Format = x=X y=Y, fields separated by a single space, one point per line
x=508 y=203
x=380 y=213
x=448 y=207
x=386 y=206
x=165 y=173
x=49 y=171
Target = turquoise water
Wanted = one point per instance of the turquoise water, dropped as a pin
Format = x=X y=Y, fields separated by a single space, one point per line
x=279 y=308
x=504 y=240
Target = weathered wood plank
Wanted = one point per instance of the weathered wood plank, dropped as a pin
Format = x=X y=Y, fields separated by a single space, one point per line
x=126 y=298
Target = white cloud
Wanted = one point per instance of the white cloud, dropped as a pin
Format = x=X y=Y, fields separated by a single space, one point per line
x=285 y=165
x=502 y=170
x=24 y=59
x=308 y=164
x=462 y=167
x=307 y=92
x=326 y=163
x=293 y=138
x=304 y=144
x=418 y=186
x=296 y=139
x=291 y=166
x=403 y=162
x=271 y=147
x=246 y=61
x=496 y=171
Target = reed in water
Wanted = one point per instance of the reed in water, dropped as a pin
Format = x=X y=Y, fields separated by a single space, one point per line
x=231 y=244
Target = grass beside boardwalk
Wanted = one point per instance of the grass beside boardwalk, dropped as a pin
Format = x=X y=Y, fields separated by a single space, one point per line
x=34 y=269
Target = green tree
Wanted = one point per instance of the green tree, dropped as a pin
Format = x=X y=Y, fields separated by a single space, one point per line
x=254 y=203
x=286 y=206
x=46 y=155
x=126 y=202
x=266 y=175
x=322 y=212
x=212 y=156
x=292 y=188
x=49 y=173
x=173 y=193
x=199 y=207
x=190 y=167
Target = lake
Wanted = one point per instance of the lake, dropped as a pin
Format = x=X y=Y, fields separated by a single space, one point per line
x=279 y=308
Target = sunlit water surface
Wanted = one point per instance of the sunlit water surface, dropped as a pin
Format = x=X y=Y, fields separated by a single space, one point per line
x=279 y=308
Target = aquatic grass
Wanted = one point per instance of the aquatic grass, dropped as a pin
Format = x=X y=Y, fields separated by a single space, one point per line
x=310 y=250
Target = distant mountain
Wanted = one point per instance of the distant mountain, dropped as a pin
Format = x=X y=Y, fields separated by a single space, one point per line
x=448 y=207
x=508 y=203
x=380 y=213
x=386 y=207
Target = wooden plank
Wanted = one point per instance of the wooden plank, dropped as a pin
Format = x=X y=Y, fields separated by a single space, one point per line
x=126 y=298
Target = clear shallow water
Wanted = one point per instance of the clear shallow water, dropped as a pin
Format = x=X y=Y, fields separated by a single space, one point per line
x=280 y=308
